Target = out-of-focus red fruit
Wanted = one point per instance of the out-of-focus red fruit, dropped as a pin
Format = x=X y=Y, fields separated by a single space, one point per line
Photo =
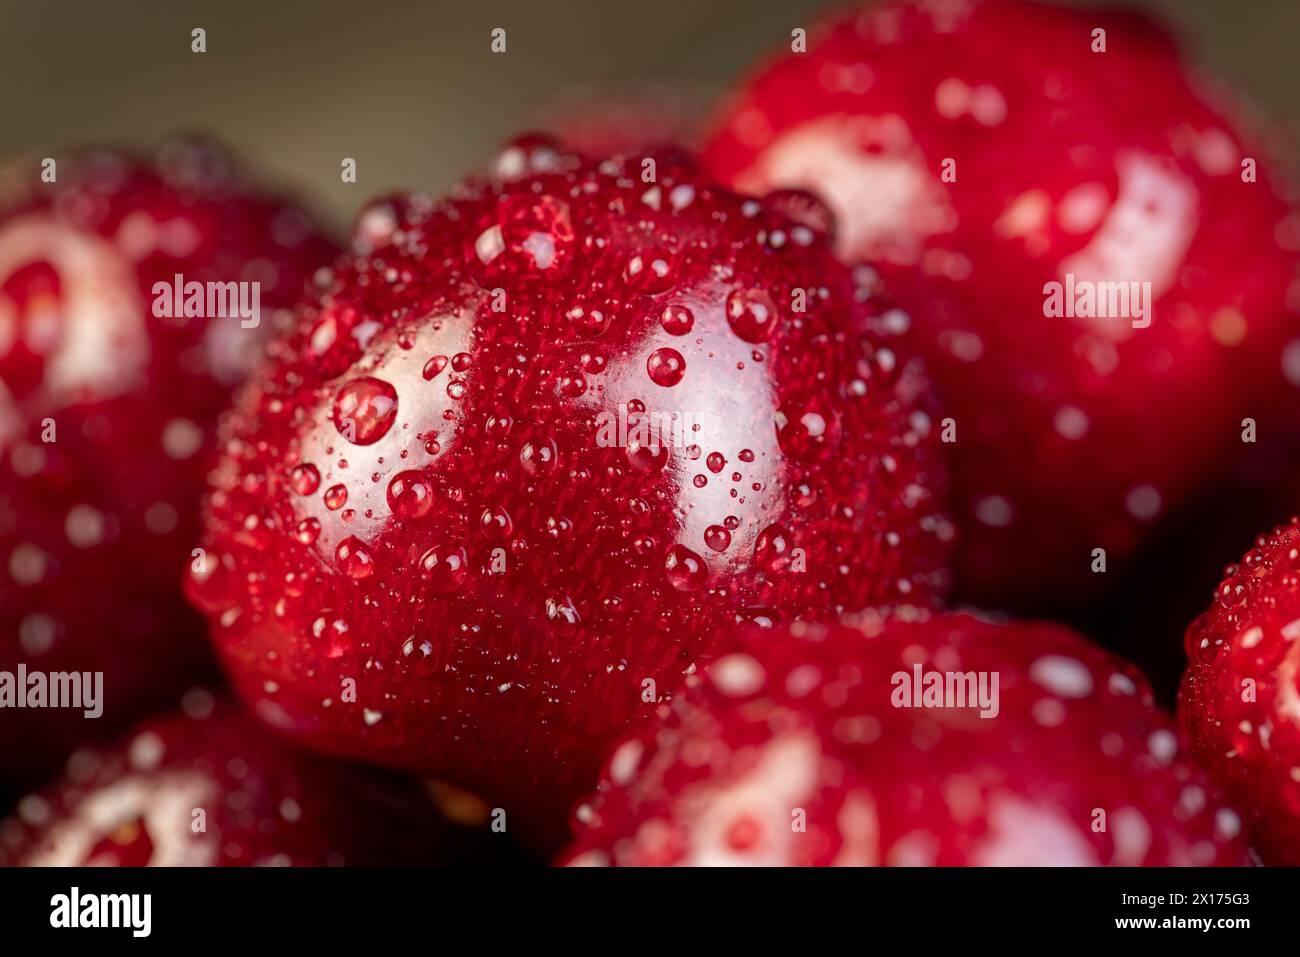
x=108 y=404
x=1240 y=699
x=531 y=448
x=905 y=739
x=210 y=788
x=980 y=152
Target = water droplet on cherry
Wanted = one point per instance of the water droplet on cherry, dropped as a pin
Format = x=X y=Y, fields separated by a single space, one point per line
x=364 y=410
x=495 y=523
x=666 y=367
x=307 y=531
x=409 y=495
x=445 y=568
x=752 y=314
x=717 y=538
x=772 y=548
x=336 y=497
x=677 y=320
x=538 y=456
x=304 y=479
x=354 y=560
x=685 y=570
x=650 y=272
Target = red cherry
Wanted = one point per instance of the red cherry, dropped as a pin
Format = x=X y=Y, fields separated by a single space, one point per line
x=906 y=738
x=108 y=402
x=979 y=151
x=210 y=788
x=542 y=559
x=1240 y=698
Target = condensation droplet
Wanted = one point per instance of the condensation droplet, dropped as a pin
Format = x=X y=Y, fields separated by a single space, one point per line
x=354 y=560
x=409 y=495
x=364 y=410
x=304 y=479
x=685 y=570
x=752 y=314
x=666 y=367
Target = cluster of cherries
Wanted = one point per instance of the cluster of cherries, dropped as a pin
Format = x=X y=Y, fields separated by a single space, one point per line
x=602 y=502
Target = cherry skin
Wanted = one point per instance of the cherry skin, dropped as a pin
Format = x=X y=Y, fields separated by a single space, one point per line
x=834 y=745
x=209 y=787
x=533 y=444
x=978 y=152
x=108 y=411
x=1241 y=692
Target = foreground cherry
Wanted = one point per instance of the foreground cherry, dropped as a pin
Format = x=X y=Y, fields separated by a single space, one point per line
x=208 y=787
x=915 y=738
x=1240 y=698
x=529 y=449
x=1097 y=262
x=109 y=393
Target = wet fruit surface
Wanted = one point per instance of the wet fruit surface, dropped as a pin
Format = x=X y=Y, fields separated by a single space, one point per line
x=978 y=152
x=835 y=745
x=108 y=404
x=1240 y=698
x=533 y=445
x=209 y=787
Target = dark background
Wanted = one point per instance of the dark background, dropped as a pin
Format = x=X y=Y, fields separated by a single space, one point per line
x=412 y=91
